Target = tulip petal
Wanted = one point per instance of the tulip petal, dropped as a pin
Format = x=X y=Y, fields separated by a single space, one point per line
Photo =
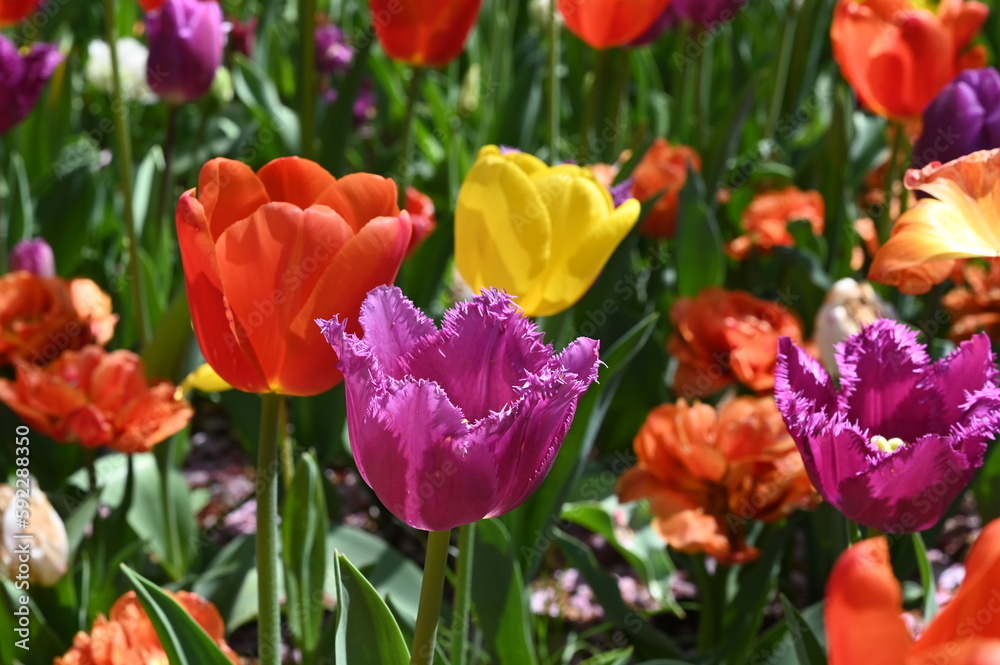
x=360 y=198
x=485 y=376
x=228 y=192
x=413 y=451
x=973 y=651
x=802 y=388
x=295 y=180
x=291 y=249
x=394 y=328
x=863 y=606
x=964 y=371
x=499 y=208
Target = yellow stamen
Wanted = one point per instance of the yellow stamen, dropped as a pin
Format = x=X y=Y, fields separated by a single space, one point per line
x=887 y=445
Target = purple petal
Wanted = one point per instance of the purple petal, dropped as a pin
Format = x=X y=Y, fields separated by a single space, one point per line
x=484 y=351
x=978 y=425
x=802 y=388
x=413 y=449
x=881 y=369
x=621 y=192
x=393 y=327
x=22 y=79
x=832 y=451
x=968 y=369
x=907 y=490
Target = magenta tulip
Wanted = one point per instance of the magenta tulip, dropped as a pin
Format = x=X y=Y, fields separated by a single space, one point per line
x=185 y=48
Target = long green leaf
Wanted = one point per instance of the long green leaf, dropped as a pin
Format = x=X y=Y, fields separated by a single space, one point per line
x=366 y=630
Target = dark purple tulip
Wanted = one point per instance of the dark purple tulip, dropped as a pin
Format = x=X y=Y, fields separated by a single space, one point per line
x=22 y=78
x=455 y=424
x=962 y=119
x=333 y=54
x=243 y=36
x=185 y=48
x=35 y=256
x=704 y=13
x=902 y=436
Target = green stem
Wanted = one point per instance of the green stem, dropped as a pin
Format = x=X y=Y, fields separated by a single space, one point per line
x=784 y=64
x=268 y=610
x=119 y=110
x=287 y=454
x=89 y=459
x=853 y=532
x=926 y=576
x=884 y=221
x=425 y=632
x=463 y=594
x=554 y=85
x=164 y=457
x=307 y=86
x=708 y=616
x=405 y=165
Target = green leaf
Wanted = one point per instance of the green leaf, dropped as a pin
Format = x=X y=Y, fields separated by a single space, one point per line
x=498 y=596
x=615 y=657
x=184 y=641
x=303 y=536
x=366 y=630
x=807 y=648
x=986 y=487
x=700 y=259
x=926 y=576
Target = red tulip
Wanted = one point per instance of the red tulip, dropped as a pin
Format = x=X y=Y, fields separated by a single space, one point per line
x=265 y=254
x=608 y=23
x=12 y=11
x=427 y=33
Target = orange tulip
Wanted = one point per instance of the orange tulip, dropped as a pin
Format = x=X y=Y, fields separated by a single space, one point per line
x=663 y=170
x=898 y=56
x=421 y=210
x=96 y=398
x=424 y=33
x=707 y=472
x=864 y=602
x=265 y=254
x=128 y=636
x=608 y=23
x=767 y=217
x=12 y=11
x=975 y=306
x=721 y=337
x=40 y=317
x=961 y=221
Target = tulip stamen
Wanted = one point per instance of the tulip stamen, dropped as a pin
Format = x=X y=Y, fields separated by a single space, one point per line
x=887 y=445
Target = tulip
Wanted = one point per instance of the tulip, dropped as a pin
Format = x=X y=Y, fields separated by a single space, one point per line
x=705 y=13
x=47 y=535
x=127 y=635
x=35 y=256
x=707 y=472
x=185 y=48
x=902 y=437
x=608 y=23
x=96 y=398
x=847 y=307
x=721 y=337
x=424 y=33
x=42 y=317
x=864 y=605
x=266 y=253
x=962 y=119
x=662 y=173
x=421 y=210
x=333 y=54
x=767 y=217
x=898 y=56
x=242 y=36
x=959 y=222
x=22 y=77
x=541 y=233
x=12 y=11
x=455 y=425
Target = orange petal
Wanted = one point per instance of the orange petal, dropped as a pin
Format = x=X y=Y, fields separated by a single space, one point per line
x=271 y=266
x=361 y=197
x=228 y=192
x=294 y=180
x=863 y=606
x=968 y=652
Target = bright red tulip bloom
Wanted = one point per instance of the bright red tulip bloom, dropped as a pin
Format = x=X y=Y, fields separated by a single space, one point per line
x=898 y=56
x=864 y=604
x=265 y=254
x=424 y=33
x=12 y=11
x=609 y=23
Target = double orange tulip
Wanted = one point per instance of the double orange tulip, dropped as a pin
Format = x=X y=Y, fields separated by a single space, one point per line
x=265 y=254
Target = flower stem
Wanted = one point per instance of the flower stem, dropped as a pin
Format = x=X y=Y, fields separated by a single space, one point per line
x=709 y=614
x=405 y=163
x=119 y=109
x=553 y=85
x=463 y=593
x=269 y=613
x=307 y=87
x=425 y=632
x=884 y=222
x=287 y=454
x=853 y=532
x=168 y=168
x=784 y=64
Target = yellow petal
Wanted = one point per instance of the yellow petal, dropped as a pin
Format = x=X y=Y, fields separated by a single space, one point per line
x=205 y=379
x=502 y=227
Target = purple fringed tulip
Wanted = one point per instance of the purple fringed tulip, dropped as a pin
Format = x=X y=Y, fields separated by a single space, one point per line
x=455 y=425
x=902 y=437
x=332 y=51
x=185 y=49
x=22 y=78
x=962 y=119
x=35 y=256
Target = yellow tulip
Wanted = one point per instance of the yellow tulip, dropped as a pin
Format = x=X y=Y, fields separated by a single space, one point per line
x=541 y=233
